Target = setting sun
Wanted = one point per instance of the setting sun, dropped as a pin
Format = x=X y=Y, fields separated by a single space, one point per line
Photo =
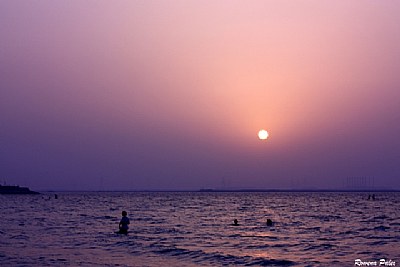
x=263 y=134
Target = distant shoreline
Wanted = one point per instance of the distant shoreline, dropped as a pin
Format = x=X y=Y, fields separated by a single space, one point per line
x=16 y=190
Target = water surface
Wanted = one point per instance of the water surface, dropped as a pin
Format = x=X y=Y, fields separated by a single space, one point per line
x=195 y=229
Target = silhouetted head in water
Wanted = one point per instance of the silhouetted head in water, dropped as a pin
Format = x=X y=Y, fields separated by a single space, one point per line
x=235 y=222
x=124 y=213
x=269 y=222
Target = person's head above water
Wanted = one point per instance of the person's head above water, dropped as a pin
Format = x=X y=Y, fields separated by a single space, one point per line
x=124 y=213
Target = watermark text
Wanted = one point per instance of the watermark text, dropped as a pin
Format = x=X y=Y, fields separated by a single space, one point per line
x=381 y=262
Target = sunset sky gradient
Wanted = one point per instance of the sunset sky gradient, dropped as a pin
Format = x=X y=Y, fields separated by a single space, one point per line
x=142 y=95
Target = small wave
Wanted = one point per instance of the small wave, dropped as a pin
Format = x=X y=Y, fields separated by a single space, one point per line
x=264 y=262
x=20 y=237
x=374 y=237
x=377 y=243
x=125 y=243
x=381 y=228
x=265 y=246
x=364 y=229
x=235 y=235
x=216 y=258
x=382 y=217
x=349 y=232
x=177 y=251
x=319 y=247
x=260 y=236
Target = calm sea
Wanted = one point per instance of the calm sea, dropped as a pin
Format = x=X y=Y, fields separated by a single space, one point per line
x=195 y=229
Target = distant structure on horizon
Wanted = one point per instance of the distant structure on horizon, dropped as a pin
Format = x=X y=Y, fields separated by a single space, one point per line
x=360 y=183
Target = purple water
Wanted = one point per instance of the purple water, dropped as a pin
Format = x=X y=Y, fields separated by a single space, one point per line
x=195 y=229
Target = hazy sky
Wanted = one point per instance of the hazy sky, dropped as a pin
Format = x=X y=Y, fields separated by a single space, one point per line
x=171 y=94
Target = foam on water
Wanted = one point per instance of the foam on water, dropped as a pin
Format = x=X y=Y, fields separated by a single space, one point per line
x=195 y=229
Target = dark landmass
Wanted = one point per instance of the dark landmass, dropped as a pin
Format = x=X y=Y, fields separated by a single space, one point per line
x=16 y=190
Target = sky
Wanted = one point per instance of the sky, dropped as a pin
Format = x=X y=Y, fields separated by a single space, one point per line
x=170 y=95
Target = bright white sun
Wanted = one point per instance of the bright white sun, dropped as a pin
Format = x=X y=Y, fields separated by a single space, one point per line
x=263 y=135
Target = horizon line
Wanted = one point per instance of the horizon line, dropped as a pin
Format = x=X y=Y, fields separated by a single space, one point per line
x=233 y=190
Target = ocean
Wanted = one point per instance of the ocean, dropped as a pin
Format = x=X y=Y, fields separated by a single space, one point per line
x=196 y=229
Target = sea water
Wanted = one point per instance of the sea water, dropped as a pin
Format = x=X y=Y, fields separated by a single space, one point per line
x=196 y=229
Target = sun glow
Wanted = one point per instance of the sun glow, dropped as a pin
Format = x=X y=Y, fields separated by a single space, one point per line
x=263 y=134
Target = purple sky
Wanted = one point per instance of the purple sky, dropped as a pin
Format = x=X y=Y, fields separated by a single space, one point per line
x=171 y=94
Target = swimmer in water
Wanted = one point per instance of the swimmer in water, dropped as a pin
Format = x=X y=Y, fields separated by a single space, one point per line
x=123 y=224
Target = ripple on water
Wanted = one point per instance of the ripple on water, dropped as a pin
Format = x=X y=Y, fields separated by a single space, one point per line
x=201 y=256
